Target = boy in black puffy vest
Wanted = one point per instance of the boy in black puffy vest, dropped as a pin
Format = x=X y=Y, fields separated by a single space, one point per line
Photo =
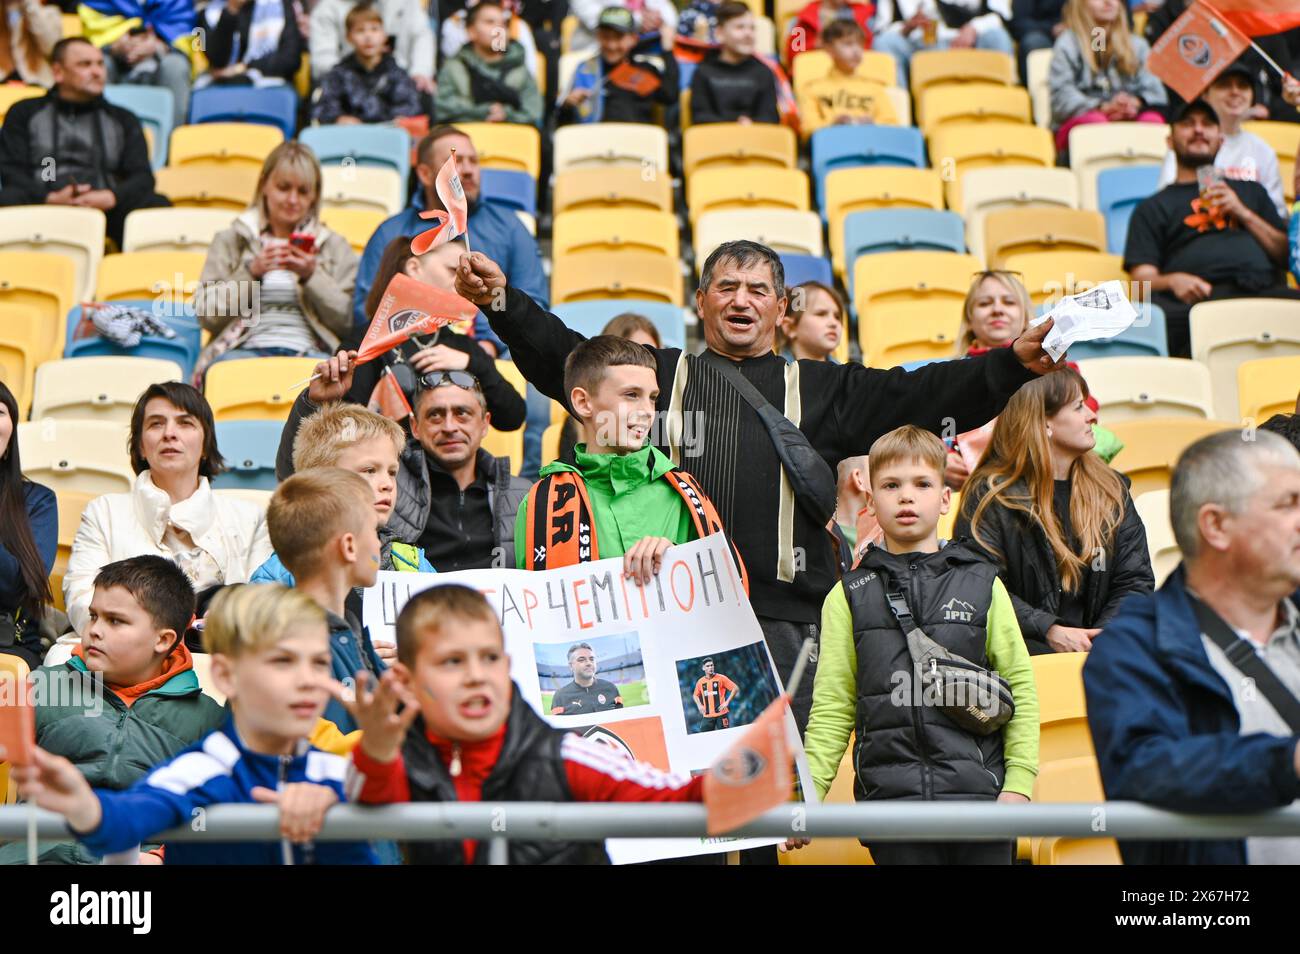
x=467 y=734
x=906 y=749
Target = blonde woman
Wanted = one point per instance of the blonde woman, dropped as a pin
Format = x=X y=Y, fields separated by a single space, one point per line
x=1057 y=519
x=1099 y=71
x=277 y=282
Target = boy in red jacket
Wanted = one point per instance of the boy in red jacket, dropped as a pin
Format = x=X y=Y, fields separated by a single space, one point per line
x=466 y=734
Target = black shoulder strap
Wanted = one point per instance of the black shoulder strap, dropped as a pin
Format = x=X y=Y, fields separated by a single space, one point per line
x=738 y=381
x=897 y=601
x=1249 y=663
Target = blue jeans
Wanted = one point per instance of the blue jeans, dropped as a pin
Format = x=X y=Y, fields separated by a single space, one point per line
x=902 y=47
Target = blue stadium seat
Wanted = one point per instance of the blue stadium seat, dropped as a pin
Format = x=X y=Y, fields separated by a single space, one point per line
x=183 y=349
x=1144 y=338
x=388 y=147
x=685 y=71
x=1119 y=190
x=153 y=106
x=249 y=448
x=807 y=268
x=589 y=317
x=268 y=105
x=843 y=147
x=913 y=365
x=512 y=188
x=900 y=230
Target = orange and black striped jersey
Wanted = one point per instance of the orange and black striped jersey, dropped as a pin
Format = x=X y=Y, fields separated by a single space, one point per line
x=714 y=694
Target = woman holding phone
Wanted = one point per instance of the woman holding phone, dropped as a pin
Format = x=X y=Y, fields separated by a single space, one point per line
x=277 y=282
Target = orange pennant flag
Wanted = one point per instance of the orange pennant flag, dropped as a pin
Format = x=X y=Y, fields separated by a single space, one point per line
x=754 y=775
x=17 y=721
x=389 y=399
x=1195 y=49
x=634 y=79
x=1260 y=17
x=452 y=223
x=410 y=308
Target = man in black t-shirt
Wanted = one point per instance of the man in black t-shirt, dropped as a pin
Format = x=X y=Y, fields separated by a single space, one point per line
x=1227 y=242
x=586 y=693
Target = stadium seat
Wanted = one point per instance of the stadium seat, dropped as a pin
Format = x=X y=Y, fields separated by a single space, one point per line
x=1106 y=145
x=135 y=275
x=513 y=189
x=1010 y=232
x=87 y=457
x=15 y=670
x=224 y=144
x=589 y=317
x=901 y=100
x=96 y=389
x=11 y=93
x=615 y=230
x=71 y=506
x=249 y=448
x=1153 y=508
x=46 y=282
x=1225 y=334
x=506 y=146
x=1146 y=337
x=1012 y=187
x=946 y=104
x=1140 y=388
x=847 y=147
x=891 y=335
x=782 y=230
x=355 y=225
x=551 y=442
x=600 y=145
x=855 y=190
x=1152 y=445
x=1119 y=190
x=1268 y=386
x=1072 y=780
x=268 y=105
x=256 y=389
x=833 y=851
x=815 y=64
x=362 y=187
x=506 y=444
x=807 y=268
x=743 y=187
x=917 y=282
x=202 y=185
x=1062 y=709
x=71 y=231
x=1284 y=137
x=153 y=106
x=932 y=67
x=1050 y=275
x=24 y=336
x=1037 y=66
x=949 y=519
x=616 y=275
x=958 y=148
x=387 y=147
x=174 y=230
x=734 y=144
x=183 y=349
x=617 y=187
x=901 y=230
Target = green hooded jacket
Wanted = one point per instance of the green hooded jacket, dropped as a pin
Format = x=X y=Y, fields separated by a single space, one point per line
x=456 y=102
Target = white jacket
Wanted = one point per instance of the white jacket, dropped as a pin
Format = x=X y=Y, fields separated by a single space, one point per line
x=404 y=20
x=117 y=526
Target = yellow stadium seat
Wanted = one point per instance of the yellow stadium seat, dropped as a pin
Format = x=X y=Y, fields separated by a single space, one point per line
x=734 y=144
x=785 y=10
x=355 y=225
x=615 y=230
x=816 y=64
x=1009 y=232
x=1037 y=66
x=875 y=187
x=87 y=457
x=833 y=851
x=894 y=334
x=601 y=145
x=551 y=442
x=362 y=187
x=1285 y=140
x=972 y=103
x=1064 y=781
x=24 y=334
x=1062 y=710
x=148 y=275
x=932 y=67
x=901 y=100
x=174 y=230
x=204 y=185
x=960 y=147
x=949 y=519
x=11 y=93
x=616 y=188
x=506 y=146
x=568 y=27
x=1137 y=388
x=1050 y=275
x=1152 y=445
x=784 y=230
x=71 y=506
x=46 y=282
x=913 y=280
x=256 y=389
x=510 y=371
x=743 y=187
x=1105 y=145
x=224 y=144
x=97 y=388
x=1153 y=508
x=68 y=230
x=995 y=188
x=506 y=444
x=13 y=669
x=1226 y=333
x=1268 y=386
x=599 y=275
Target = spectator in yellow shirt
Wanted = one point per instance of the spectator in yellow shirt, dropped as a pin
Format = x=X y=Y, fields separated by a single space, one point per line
x=842 y=96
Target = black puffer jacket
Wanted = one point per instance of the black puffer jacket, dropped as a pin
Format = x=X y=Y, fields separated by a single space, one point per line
x=1029 y=567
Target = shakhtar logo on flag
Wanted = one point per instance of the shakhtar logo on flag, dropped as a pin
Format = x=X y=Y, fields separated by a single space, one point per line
x=452 y=223
x=410 y=308
x=755 y=774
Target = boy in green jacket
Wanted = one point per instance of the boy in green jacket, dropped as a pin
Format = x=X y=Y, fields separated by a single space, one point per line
x=128 y=699
x=622 y=497
x=487 y=80
x=906 y=748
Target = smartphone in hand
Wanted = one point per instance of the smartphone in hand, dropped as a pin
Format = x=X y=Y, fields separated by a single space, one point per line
x=304 y=241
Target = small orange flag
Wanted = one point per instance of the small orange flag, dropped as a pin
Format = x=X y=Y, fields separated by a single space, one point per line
x=972 y=444
x=634 y=79
x=410 y=308
x=452 y=223
x=17 y=721
x=1195 y=49
x=754 y=775
x=389 y=399
x=1260 y=17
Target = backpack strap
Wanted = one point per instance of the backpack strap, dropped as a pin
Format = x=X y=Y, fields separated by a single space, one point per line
x=1243 y=657
x=558 y=524
x=703 y=514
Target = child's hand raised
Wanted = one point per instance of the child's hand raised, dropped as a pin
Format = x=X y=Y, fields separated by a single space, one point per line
x=302 y=808
x=375 y=711
x=54 y=783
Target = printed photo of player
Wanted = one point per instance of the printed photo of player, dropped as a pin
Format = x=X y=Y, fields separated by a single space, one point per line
x=599 y=674
x=585 y=693
x=726 y=689
x=713 y=694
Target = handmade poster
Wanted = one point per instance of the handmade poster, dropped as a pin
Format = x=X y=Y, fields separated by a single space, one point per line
x=669 y=673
